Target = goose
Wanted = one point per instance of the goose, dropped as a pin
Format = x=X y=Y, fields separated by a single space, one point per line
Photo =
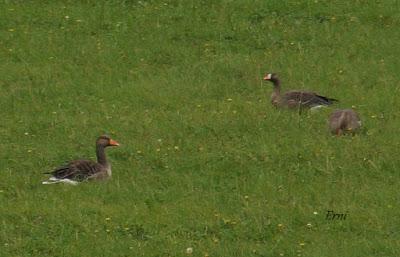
x=344 y=121
x=80 y=170
x=296 y=98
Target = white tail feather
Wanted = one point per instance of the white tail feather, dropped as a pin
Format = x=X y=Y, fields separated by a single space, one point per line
x=54 y=180
x=317 y=107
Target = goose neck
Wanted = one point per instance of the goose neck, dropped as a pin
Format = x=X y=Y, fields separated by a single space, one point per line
x=101 y=155
x=277 y=84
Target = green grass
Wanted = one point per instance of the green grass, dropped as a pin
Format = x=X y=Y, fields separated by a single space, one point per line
x=232 y=176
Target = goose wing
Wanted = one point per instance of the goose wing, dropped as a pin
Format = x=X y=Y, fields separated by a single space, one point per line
x=77 y=170
x=307 y=98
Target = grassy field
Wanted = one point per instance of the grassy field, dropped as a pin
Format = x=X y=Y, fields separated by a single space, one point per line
x=205 y=161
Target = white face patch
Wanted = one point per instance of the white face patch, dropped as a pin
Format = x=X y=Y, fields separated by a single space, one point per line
x=268 y=76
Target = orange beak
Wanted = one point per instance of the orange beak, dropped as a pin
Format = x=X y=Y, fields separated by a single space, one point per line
x=113 y=142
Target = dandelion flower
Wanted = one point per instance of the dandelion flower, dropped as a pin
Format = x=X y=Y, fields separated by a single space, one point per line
x=66 y=17
x=189 y=250
x=315 y=213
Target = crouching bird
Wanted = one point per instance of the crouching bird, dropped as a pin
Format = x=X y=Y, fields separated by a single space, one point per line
x=344 y=121
x=81 y=170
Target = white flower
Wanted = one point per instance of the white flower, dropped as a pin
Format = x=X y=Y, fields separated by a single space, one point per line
x=189 y=250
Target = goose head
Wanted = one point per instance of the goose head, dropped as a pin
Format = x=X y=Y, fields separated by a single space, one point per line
x=271 y=77
x=106 y=141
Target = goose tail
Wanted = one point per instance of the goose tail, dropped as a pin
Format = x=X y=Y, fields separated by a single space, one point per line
x=54 y=180
x=327 y=100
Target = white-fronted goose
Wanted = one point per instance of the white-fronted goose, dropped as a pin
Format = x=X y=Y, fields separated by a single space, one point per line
x=80 y=170
x=295 y=98
x=344 y=121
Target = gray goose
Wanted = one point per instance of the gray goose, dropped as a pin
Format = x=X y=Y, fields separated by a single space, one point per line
x=80 y=170
x=295 y=98
x=344 y=121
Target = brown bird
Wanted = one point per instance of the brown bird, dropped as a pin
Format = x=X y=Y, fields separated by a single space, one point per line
x=80 y=170
x=296 y=99
x=344 y=121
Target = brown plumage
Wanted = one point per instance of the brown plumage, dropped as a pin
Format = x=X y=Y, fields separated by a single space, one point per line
x=81 y=170
x=295 y=99
x=344 y=121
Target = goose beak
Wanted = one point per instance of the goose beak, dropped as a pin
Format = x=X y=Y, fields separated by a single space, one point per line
x=113 y=143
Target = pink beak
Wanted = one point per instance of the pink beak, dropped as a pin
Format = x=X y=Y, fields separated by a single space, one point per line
x=113 y=143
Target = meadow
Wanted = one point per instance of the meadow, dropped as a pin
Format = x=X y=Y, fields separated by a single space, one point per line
x=205 y=162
